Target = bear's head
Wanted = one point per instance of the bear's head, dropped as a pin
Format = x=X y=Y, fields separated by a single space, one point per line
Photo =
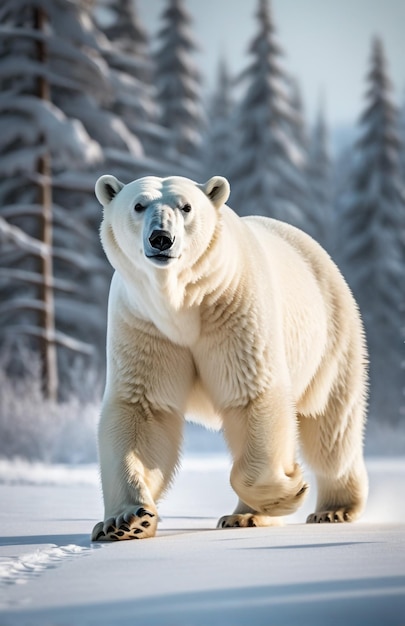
x=158 y=221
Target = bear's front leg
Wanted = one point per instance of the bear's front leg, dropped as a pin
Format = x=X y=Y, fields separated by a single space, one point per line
x=262 y=439
x=138 y=447
x=134 y=523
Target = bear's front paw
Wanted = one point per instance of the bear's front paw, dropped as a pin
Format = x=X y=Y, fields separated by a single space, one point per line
x=248 y=520
x=134 y=523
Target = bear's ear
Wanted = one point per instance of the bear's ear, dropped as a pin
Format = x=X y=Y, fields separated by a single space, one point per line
x=107 y=187
x=217 y=189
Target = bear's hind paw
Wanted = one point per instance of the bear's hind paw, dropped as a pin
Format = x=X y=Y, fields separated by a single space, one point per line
x=248 y=520
x=337 y=516
x=136 y=523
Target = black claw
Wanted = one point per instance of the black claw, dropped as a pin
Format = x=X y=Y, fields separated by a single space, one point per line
x=114 y=538
x=142 y=512
x=125 y=528
x=336 y=517
x=120 y=533
x=136 y=531
x=145 y=524
x=110 y=529
x=236 y=524
x=251 y=522
x=100 y=534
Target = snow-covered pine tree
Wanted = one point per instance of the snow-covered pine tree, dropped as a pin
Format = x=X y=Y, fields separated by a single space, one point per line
x=402 y=140
x=178 y=83
x=268 y=175
x=219 y=146
x=372 y=216
x=299 y=129
x=86 y=92
x=131 y=65
x=320 y=180
x=308 y=201
x=38 y=141
x=80 y=83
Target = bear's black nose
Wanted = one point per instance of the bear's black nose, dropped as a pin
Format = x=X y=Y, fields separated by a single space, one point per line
x=161 y=240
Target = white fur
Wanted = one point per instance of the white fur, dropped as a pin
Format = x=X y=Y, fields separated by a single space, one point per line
x=248 y=324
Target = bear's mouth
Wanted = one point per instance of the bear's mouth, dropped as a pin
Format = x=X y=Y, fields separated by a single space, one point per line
x=160 y=258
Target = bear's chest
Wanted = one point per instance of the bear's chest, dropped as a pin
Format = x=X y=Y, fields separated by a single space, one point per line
x=151 y=304
x=182 y=328
x=233 y=368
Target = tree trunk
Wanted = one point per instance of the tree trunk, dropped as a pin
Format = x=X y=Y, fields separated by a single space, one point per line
x=47 y=315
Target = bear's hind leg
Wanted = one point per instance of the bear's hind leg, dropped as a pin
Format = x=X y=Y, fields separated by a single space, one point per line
x=333 y=447
x=342 y=499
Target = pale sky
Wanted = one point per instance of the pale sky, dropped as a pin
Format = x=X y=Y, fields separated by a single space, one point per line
x=326 y=44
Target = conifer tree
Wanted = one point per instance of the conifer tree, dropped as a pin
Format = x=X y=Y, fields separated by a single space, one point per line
x=299 y=129
x=320 y=180
x=313 y=184
x=179 y=85
x=269 y=165
x=38 y=142
x=219 y=147
x=86 y=92
x=372 y=239
x=402 y=141
x=130 y=61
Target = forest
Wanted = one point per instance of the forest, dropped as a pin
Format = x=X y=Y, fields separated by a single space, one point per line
x=84 y=91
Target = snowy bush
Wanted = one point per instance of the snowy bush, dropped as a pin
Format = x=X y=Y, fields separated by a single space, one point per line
x=37 y=429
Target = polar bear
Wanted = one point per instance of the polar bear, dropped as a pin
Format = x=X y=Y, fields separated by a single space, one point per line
x=245 y=322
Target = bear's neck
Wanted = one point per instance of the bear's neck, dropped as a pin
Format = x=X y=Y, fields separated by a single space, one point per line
x=176 y=302
x=210 y=276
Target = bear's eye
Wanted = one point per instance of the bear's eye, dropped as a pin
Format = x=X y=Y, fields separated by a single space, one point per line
x=139 y=207
x=186 y=208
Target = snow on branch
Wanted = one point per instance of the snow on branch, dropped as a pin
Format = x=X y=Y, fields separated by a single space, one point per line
x=63 y=17
x=79 y=261
x=58 y=337
x=33 y=278
x=61 y=217
x=73 y=344
x=94 y=69
x=73 y=180
x=19 y=304
x=22 y=66
x=67 y=139
x=12 y=32
x=21 y=239
x=28 y=243
x=22 y=160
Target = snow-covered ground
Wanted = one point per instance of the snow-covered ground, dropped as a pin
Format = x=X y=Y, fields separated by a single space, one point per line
x=192 y=574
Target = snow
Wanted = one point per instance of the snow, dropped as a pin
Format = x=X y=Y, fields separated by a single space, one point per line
x=21 y=239
x=191 y=573
x=66 y=139
x=19 y=570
